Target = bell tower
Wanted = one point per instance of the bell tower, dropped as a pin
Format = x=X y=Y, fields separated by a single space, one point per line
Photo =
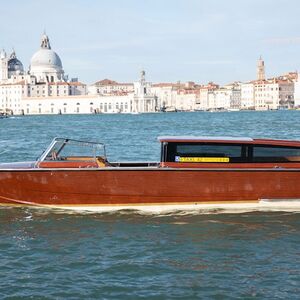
x=260 y=75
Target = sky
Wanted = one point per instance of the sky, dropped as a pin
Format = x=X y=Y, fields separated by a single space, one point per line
x=172 y=40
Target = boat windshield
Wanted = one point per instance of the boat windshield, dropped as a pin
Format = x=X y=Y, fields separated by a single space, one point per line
x=69 y=149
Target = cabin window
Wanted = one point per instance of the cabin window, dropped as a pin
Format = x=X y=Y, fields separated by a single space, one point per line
x=205 y=153
x=275 y=154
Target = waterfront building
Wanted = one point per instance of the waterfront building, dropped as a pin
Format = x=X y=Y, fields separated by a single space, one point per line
x=110 y=87
x=82 y=104
x=44 y=79
x=235 y=95
x=187 y=96
x=297 y=92
x=144 y=101
x=206 y=97
x=247 y=95
x=273 y=94
x=177 y=96
x=45 y=89
x=224 y=98
x=166 y=93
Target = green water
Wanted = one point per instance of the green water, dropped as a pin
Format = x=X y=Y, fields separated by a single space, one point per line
x=130 y=255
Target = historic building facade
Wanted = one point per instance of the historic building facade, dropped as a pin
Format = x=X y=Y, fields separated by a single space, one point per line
x=45 y=89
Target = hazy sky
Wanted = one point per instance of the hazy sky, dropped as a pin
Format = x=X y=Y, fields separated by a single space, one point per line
x=211 y=40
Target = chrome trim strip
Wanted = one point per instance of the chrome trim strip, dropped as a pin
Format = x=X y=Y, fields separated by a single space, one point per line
x=153 y=169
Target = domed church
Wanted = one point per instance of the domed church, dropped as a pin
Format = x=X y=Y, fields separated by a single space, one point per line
x=45 y=64
x=14 y=66
x=10 y=67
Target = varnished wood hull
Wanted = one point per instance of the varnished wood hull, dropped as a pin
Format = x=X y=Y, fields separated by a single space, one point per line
x=125 y=187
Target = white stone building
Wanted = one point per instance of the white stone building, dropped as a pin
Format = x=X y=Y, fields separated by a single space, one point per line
x=144 y=101
x=44 y=89
x=206 y=96
x=186 y=101
x=166 y=93
x=297 y=93
x=247 y=96
x=45 y=64
x=273 y=94
x=110 y=87
x=84 y=104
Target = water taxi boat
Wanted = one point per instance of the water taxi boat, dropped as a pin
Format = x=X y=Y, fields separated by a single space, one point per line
x=193 y=172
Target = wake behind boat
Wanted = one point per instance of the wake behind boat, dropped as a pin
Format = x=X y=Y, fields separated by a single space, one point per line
x=193 y=172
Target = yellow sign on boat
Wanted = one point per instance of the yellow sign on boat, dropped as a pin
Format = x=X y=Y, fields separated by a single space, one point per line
x=202 y=159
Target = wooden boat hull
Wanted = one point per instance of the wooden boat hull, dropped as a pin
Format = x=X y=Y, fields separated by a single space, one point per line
x=126 y=187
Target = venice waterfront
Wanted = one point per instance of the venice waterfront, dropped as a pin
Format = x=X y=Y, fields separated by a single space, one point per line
x=130 y=254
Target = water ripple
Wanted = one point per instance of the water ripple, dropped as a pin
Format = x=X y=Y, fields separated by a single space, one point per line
x=48 y=254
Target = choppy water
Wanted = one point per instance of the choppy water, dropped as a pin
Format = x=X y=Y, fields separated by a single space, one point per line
x=129 y=255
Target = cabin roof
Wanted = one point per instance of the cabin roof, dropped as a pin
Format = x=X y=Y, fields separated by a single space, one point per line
x=228 y=139
x=203 y=138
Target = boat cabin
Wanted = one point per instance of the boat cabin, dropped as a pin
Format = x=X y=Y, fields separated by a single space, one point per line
x=180 y=152
x=227 y=151
x=70 y=153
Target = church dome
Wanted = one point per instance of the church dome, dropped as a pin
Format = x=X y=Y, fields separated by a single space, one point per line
x=45 y=58
x=14 y=65
x=45 y=64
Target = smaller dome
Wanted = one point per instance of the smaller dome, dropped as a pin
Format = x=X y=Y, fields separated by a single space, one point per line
x=14 y=65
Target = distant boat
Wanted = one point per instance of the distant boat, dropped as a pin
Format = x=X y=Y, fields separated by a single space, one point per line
x=194 y=172
x=3 y=115
x=170 y=109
